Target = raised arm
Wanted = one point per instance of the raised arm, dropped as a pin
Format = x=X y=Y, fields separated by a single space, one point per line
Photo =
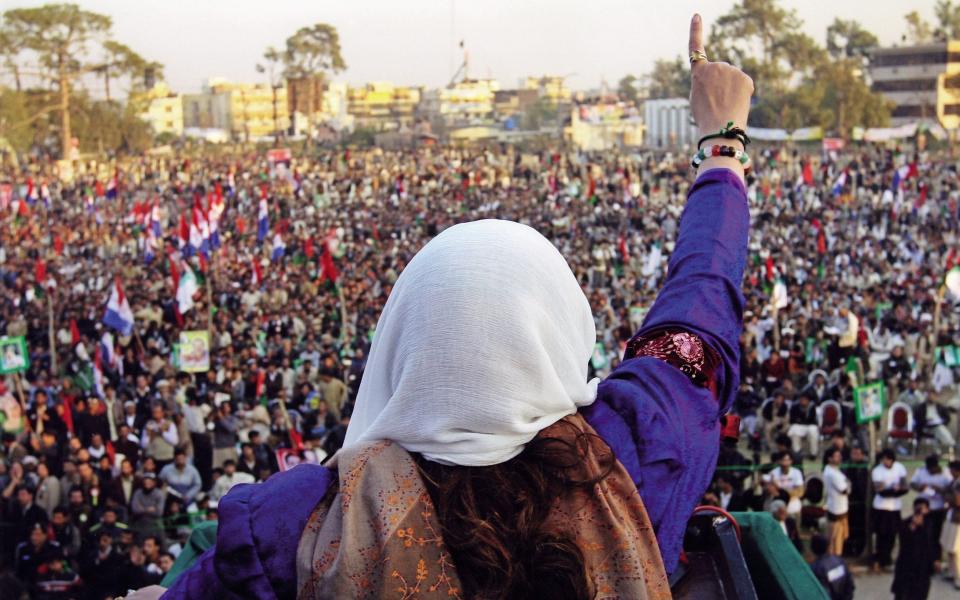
x=659 y=409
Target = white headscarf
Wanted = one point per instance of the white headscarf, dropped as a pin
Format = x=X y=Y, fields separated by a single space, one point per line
x=483 y=342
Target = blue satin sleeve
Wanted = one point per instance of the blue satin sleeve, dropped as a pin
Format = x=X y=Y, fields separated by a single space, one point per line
x=662 y=426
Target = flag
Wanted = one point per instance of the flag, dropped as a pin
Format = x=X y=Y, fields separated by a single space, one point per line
x=902 y=174
x=183 y=235
x=150 y=246
x=45 y=194
x=30 y=196
x=118 y=314
x=174 y=273
x=261 y=383
x=40 y=271
x=186 y=289
x=108 y=353
x=199 y=231
x=840 y=183
x=808 y=173
x=328 y=270
x=780 y=299
x=112 y=187
x=308 y=247
x=155 y=220
x=97 y=373
x=74 y=333
x=214 y=211
x=257 y=275
x=263 y=220
x=279 y=248
x=99 y=189
x=622 y=244
x=952 y=281
x=58 y=245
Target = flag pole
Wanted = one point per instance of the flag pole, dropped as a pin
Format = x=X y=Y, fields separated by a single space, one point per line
x=23 y=401
x=937 y=310
x=209 y=283
x=51 y=334
x=343 y=313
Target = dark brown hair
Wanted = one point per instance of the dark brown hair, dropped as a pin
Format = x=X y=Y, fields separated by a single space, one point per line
x=493 y=518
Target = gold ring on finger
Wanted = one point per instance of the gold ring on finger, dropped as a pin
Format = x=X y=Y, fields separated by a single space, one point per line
x=697 y=56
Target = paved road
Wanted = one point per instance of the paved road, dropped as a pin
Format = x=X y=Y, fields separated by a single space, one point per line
x=877 y=587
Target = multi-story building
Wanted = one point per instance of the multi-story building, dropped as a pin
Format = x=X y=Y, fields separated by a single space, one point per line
x=305 y=95
x=552 y=88
x=603 y=124
x=467 y=102
x=382 y=106
x=668 y=123
x=206 y=111
x=257 y=110
x=510 y=103
x=917 y=79
x=162 y=109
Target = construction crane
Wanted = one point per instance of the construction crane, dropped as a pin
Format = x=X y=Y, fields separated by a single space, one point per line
x=463 y=69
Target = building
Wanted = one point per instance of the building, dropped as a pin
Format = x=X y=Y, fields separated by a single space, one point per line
x=511 y=103
x=206 y=111
x=162 y=109
x=668 y=123
x=551 y=88
x=257 y=110
x=604 y=125
x=382 y=106
x=305 y=95
x=467 y=102
x=918 y=80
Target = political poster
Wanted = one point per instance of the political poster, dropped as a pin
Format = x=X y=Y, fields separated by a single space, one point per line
x=194 y=351
x=869 y=401
x=14 y=357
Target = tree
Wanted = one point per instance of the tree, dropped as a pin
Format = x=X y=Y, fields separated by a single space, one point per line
x=119 y=61
x=668 y=79
x=764 y=25
x=919 y=31
x=948 y=20
x=627 y=88
x=274 y=61
x=312 y=52
x=848 y=39
x=59 y=35
x=10 y=47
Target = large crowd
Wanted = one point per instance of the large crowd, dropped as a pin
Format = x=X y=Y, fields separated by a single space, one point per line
x=112 y=454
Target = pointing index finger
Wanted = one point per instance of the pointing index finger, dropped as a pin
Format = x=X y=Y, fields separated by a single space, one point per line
x=696 y=35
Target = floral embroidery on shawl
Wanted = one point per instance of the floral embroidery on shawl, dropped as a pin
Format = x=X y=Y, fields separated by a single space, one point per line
x=376 y=533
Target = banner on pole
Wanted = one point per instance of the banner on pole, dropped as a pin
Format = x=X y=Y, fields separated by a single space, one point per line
x=194 y=351
x=14 y=357
x=869 y=401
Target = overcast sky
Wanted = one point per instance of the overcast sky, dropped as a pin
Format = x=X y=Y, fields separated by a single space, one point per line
x=414 y=41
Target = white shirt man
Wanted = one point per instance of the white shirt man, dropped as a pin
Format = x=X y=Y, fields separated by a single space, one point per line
x=230 y=478
x=837 y=487
x=931 y=485
x=887 y=478
x=838 y=490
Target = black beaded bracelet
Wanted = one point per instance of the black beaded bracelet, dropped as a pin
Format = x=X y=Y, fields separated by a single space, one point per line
x=728 y=133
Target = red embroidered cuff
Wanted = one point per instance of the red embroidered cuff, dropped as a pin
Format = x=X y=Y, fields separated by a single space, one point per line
x=681 y=349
